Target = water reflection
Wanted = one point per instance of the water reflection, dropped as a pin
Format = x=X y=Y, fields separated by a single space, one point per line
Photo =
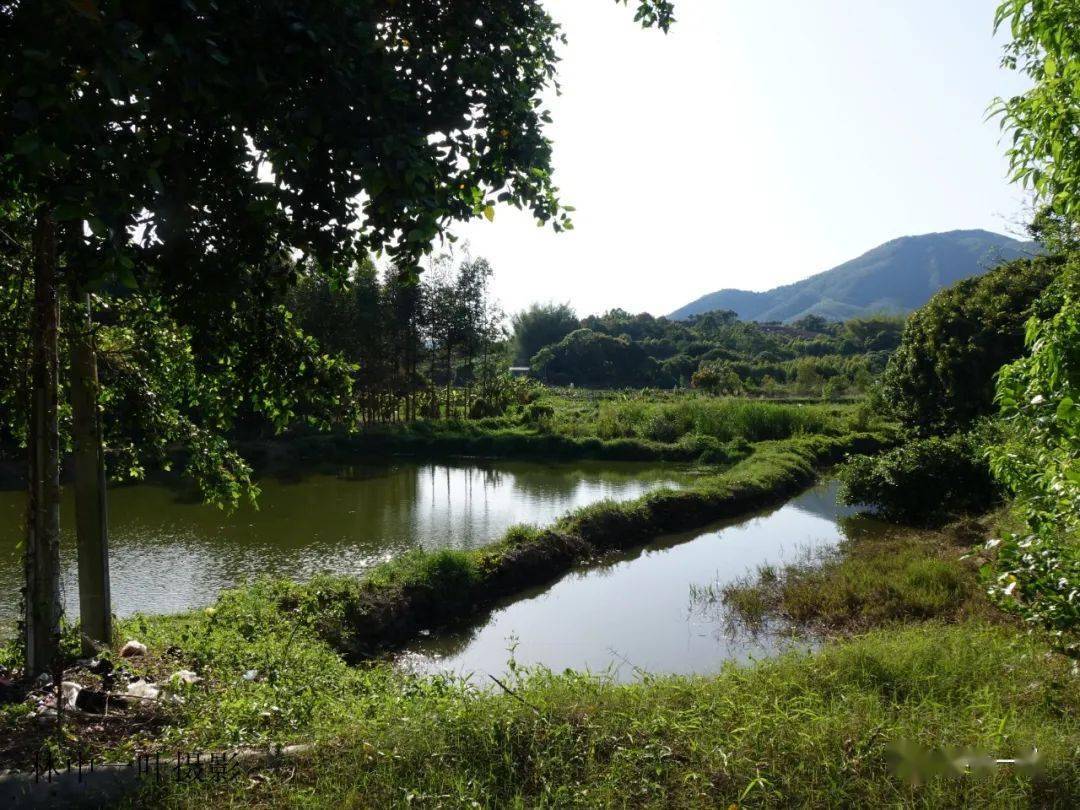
x=170 y=553
x=634 y=614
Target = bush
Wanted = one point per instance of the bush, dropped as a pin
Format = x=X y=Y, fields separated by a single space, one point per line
x=594 y=360
x=483 y=408
x=1039 y=463
x=942 y=376
x=538 y=414
x=925 y=481
x=661 y=427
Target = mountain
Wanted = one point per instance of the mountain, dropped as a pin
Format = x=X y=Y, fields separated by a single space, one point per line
x=898 y=276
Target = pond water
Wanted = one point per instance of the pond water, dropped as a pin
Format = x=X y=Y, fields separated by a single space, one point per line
x=169 y=552
x=635 y=613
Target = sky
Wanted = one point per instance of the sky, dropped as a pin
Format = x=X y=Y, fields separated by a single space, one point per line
x=756 y=144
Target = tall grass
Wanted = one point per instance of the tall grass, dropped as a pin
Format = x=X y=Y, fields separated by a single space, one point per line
x=721 y=419
x=881 y=575
x=802 y=731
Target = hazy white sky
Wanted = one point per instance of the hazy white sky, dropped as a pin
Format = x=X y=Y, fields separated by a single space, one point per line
x=756 y=144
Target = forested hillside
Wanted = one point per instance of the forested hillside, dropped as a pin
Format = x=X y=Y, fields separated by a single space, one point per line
x=896 y=277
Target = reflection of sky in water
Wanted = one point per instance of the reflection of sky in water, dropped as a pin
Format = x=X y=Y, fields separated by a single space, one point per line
x=168 y=553
x=636 y=613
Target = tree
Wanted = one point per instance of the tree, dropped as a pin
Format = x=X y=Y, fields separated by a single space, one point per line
x=1045 y=153
x=541 y=325
x=941 y=377
x=717 y=378
x=185 y=149
x=1039 y=460
x=808 y=379
x=595 y=360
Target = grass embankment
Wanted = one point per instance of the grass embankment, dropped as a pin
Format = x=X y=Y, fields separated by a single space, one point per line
x=804 y=730
x=667 y=416
x=424 y=589
x=886 y=718
x=638 y=426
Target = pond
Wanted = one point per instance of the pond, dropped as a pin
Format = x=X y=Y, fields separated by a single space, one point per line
x=635 y=614
x=170 y=553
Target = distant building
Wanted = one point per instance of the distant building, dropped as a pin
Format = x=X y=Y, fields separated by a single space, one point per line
x=520 y=371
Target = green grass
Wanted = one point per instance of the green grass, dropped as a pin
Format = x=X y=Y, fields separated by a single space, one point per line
x=931 y=672
x=881 y=575
x=804 y=730
x=668 y=418
x=614 y=426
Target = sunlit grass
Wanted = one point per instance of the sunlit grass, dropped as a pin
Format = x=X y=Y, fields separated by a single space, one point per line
x=804 y=730
x=882 y=576
x=670 y=418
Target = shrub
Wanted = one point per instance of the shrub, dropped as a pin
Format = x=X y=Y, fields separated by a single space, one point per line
x=483 y=408
x=1039 y=463
x=925 y=481
x=942 y=376
x=659 y=426
x=537 y=414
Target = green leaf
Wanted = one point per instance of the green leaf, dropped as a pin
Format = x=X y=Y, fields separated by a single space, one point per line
x=70 y=212
x=26 y=144
x=98 y=227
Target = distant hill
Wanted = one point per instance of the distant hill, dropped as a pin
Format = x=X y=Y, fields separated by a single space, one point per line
x=898 y=276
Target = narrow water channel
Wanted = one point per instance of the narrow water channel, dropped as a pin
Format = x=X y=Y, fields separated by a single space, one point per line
x=170 y=553
x=635 y=614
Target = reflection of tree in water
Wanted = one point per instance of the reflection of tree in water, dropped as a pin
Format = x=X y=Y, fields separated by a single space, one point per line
x=863 y=525
x=625 y=479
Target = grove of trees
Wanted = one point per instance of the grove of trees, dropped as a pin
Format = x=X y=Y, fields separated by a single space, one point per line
x=715 y=352
x=425 y=350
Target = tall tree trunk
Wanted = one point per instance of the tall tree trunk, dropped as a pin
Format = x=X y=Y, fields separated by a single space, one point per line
x=91 y=516
x=449 y=379
x=43 y=605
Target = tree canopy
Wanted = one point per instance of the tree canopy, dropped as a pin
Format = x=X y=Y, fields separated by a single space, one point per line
x=1044 y=151
x=541 y=325
x=941 y=377
x=596 y=360
x=206 y=153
